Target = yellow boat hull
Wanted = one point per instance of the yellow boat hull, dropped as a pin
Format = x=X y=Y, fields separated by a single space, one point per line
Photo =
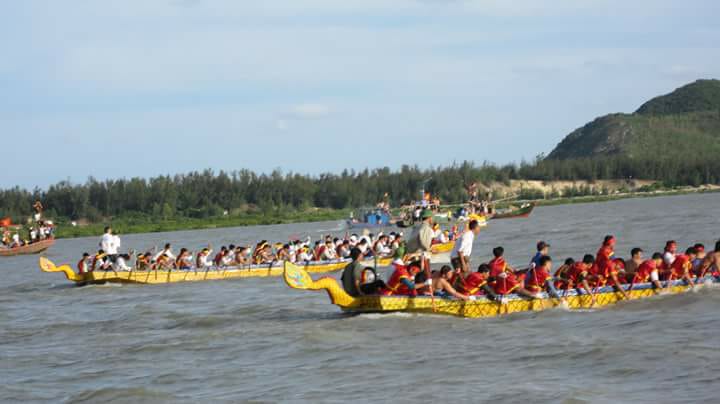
x=174 y=276
x=297 y=278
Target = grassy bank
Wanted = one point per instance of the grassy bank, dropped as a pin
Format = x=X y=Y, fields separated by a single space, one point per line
x=619 y=196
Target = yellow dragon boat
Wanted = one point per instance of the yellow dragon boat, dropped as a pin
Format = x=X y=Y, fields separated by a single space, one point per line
x=440 y=255
x=298 y=278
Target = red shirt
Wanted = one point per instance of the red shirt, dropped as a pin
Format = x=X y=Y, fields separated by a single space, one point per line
x=644 y=271
x=603 y=260
x=474 y=282
x=502 y=286
x=395 y=286
x=535 y=279
x=577 y=270
x=681 y=265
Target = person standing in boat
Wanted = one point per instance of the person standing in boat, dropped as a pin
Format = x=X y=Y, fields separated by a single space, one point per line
x=421 y=239
x=38 y=208
x=462 y=250
x=108 y=244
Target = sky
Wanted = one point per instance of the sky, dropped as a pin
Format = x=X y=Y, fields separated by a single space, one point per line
x=126 y=88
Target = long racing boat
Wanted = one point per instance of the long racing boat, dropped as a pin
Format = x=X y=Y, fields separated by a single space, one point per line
x=440 y=254
x=297 y=278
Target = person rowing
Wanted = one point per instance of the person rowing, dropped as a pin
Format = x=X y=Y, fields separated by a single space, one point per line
x=579 y=274
x=603 y=261
x=632 y=265
x=183 y=260
x=503 y=276
x=442 y=287
x=649 y=271
x=539 y=279
x=711 y=263
x=697 y=262
x=681 y=267
x=203 y=261
x=403 y=280
x=562 y=274
x=669 y=254
x=476 y=283
x=610 y=276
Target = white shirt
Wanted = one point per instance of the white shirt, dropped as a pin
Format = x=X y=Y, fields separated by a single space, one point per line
x=668 y=258
x=167 y=253
x=305 y=256
x=116 y=243
x=107 y=243
x=121 y=265
x=463 y=245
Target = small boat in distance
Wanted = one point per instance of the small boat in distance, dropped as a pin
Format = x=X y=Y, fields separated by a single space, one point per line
x=32 y=248
x=371 y=219
x=513 y=213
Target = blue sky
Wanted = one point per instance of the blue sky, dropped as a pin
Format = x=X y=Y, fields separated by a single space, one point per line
x=139 y=88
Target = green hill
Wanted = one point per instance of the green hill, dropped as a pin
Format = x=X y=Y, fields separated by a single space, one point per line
x=684 y=123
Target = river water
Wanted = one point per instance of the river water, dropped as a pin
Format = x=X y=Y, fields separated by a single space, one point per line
x=257 y=340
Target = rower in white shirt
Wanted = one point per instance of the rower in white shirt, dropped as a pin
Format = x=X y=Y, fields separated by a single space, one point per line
x=167 y=251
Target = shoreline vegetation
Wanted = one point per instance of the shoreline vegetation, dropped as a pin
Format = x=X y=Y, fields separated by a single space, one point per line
x=140 y=224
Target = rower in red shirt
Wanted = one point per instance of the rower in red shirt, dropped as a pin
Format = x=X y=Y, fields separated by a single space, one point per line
x=648 y=271
x=578 y=276
x=612 y=277
x=538 y=278
x=476 y=283
x=562 y=274
x=603 y=261
x=402 y=281
x=682 y=266
x=503 y=276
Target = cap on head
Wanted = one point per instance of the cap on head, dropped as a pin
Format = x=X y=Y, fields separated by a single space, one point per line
x=426 y=214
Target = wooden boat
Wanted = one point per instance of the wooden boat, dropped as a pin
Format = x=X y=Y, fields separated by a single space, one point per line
x=34 y=248
x=297 y=278
x=522 y=212
x=441 y=252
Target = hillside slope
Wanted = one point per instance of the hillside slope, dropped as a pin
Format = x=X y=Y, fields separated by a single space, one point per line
x=685 y=122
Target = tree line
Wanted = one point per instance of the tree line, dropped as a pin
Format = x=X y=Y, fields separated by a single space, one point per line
x=208 y=194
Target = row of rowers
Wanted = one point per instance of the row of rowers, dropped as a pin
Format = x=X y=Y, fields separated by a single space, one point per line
x=497 y=278
x=296 y=251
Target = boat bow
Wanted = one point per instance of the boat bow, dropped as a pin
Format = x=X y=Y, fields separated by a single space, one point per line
x=298 y=278
x=48 y=266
